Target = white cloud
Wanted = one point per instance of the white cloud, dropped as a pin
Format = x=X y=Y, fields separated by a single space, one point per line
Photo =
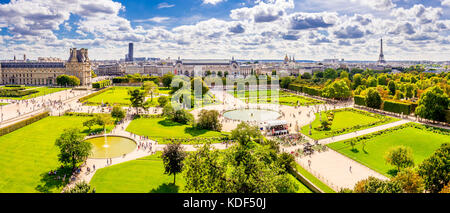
x=213 y=2
x=154 y=19
x=165 y=5
x=445 y=3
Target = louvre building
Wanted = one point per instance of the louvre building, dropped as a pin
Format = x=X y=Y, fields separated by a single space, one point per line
x=45 y=72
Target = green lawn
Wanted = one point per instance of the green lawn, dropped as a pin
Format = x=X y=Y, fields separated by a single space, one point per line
x=116 y=95
x=422 y=142
x=143 y=175
x=29 y=153
x=284 y=98
x=345 y=121
x=41 y=91
x=159 y=128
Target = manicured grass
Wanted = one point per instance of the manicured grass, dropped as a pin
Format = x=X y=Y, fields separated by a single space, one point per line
x=355 y=119
x=158 y=128
x=284 y=98
x=29 y=153
x=325 y=188
x=422 y=142
x=116 y=95
x=146 y=175
x=143 y=175
x=41 y=91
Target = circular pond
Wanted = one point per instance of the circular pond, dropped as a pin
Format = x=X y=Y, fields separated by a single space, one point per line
x=252 y=115
x=113 y=147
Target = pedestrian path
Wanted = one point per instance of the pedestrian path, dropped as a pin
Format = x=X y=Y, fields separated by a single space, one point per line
x=362 y=132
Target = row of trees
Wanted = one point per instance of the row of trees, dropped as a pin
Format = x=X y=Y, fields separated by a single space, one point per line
x=251 y=166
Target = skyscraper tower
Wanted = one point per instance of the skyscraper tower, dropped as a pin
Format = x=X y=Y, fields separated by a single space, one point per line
x=381 y=57
x=130 y=52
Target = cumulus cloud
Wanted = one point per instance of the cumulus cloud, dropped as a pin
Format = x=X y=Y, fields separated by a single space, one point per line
x=213 y=2
x=263 y=12
x=349 y=32
x=445 y=3
x=302 y=21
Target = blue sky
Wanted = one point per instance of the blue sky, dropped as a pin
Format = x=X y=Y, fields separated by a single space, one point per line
x=245 y=29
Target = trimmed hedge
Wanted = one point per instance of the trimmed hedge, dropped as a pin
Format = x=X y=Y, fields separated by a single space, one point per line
x=397 y=107
x=118 y=80
x=101 y=84
x=14 y=85
x=16 y=92
x=305 y=89
x=83 y=99
x=360 y=100
x=20 y=124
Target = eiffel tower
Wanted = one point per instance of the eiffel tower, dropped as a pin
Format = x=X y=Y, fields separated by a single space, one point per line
x=381 y=57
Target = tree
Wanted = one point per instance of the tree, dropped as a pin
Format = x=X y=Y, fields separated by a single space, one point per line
x=286 y=162
x=337 y=90
x=285 y=81
x=306 y=75
x=150 y=87
x=400 y=156
x=382 y=80
x=330 y=73
x=137 y=98
x=163 y=100
x=182 y=116
x=103 y=119
x=81 y=187
x=73 y=148
x=209 y=119
x=204 y=172
x=173 y=156
x=375 y=185
x=371 y=82
x=118 y=113
x=446 y=188
x=432 y=104
x=373 y=98
x=90 y=123
x=392 y=87
x=410 y=181
x=357 y=80
x=62 y=80
x=343 y=74
x=435 y=170
x=167 y=79
x=245 y=134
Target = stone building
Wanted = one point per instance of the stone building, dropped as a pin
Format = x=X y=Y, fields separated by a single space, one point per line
x=46 y=72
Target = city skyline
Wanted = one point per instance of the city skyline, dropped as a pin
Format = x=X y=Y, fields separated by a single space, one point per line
x=305 y=29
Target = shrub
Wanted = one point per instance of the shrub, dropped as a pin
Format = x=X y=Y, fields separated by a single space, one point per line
x=360 y=100
x=101 y=84
x=20 y=124
x=397 y=107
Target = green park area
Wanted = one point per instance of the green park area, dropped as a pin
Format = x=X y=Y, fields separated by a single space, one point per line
x=342 y=121
x=29 y=153
x=145 y=175
x=162 y=128
x=117 y=95
x=28 y=92
x=284 y=98
x=371 y=149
